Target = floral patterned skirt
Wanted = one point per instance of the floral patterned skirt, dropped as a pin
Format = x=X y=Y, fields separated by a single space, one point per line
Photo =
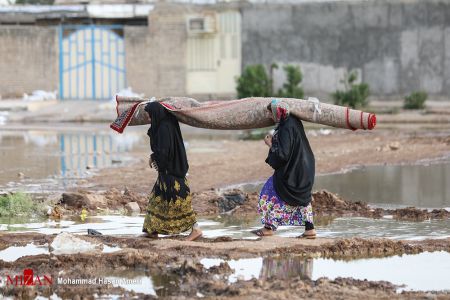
x=169 y=216
x=275 y=212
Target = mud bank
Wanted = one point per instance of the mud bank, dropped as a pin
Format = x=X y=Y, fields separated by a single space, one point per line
x=340 y=288
x=176 y=269
x=141 y=250
x=325 y=204
x=194 y=285
x=237 y=202
x=329 y=204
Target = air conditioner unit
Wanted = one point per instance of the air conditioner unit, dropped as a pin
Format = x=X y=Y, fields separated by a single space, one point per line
x=202 y=24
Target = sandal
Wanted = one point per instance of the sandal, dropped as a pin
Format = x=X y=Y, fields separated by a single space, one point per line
x=93 y=232
x=260 y=232
x=308 y=236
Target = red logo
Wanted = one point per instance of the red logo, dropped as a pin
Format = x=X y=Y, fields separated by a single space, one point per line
x=28 y=278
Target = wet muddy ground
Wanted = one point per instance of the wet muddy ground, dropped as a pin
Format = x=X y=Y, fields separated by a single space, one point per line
x=229 y=262
x=237 y=268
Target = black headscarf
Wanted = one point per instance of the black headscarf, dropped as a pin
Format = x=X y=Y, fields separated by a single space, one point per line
x=166 y=141
x=293 y=160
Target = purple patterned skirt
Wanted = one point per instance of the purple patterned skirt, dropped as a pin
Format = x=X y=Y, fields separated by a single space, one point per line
x=275 y=212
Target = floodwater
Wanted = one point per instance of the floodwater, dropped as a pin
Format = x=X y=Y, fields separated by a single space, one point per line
x=390 y=186
x=424 y=185
x=132 y=280
x=47 y=160
x=406 y=271
x=13 y=253
x=141 y=281
x=240 y=227
x=409 y=272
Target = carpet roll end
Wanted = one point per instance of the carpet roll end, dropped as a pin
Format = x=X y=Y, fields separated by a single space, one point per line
x=372 y=121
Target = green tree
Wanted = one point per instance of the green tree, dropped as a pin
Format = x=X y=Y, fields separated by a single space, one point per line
x=354 y=95
x=291 y=88
x=254 y=82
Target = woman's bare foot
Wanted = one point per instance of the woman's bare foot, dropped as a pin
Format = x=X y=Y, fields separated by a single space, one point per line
x=195 y=234
x=263 y=232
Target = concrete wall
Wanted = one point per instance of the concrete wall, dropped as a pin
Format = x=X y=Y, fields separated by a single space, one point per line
x=28 y=60
x=156 y=55
x=396 y=46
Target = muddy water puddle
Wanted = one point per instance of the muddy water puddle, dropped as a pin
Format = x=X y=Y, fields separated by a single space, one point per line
x=131 y=280
x=14 y=253
x=425 y=185
x=405 y=185
x=407 y=271
x=240 y=227
x=346 y=227
x=48 y=160
x=141 y=281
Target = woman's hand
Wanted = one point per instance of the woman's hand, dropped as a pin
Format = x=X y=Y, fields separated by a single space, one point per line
x=268 y=140
x=152 y=163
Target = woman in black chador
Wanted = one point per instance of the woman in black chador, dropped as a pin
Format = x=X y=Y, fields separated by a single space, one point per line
x=169 y=209
x=285 y=199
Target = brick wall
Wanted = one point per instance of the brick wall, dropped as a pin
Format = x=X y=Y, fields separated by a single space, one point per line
x=28 y=60
x=156 y=56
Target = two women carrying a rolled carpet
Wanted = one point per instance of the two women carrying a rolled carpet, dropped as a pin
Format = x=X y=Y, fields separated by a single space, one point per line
x=285 y=199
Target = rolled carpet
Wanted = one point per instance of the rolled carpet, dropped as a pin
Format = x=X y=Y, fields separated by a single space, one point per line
x=247 y=113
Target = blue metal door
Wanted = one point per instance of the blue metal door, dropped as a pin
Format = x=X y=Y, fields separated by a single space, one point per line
x=92 y=61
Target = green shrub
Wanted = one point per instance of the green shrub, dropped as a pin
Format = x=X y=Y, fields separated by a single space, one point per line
x=254 y=82
x=291 y=88
x=354 y=95
x=16 y=204
x=415 y=100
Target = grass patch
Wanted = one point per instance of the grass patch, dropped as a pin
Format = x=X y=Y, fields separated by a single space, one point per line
x=17 y=204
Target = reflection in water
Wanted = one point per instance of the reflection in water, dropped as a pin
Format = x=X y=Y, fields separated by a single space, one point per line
x=424 y=272
x=412 y=271
x=287 y=267
x=82 y=151
x=264 y=268
x=141 y=281
x=45 y=159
